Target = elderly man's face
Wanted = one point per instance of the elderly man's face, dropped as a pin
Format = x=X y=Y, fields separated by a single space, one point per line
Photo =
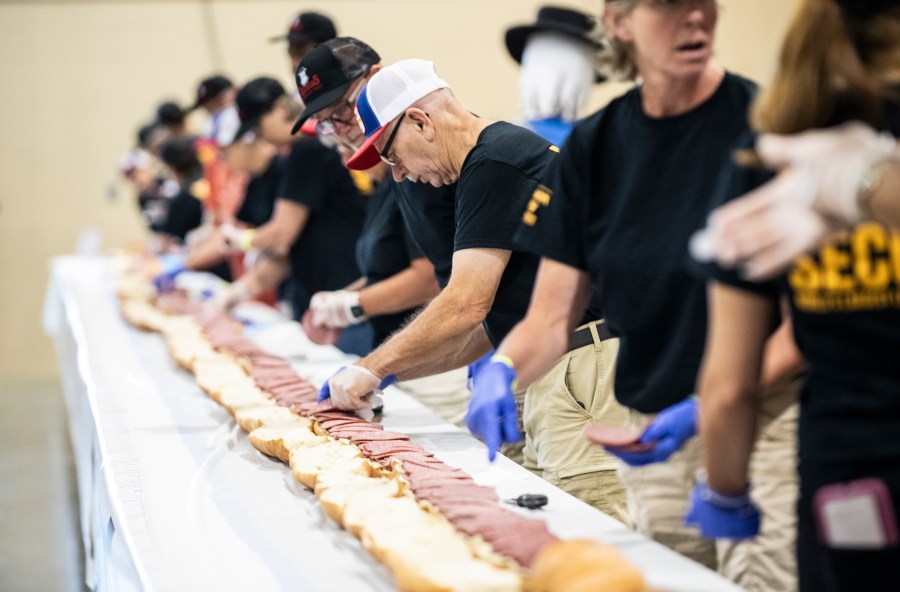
x=339 y=118
x=411 y=145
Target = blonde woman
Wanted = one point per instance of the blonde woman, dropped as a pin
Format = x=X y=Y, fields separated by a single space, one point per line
x=631 y=184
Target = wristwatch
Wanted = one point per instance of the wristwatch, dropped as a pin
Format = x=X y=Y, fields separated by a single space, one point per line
x=357 y=311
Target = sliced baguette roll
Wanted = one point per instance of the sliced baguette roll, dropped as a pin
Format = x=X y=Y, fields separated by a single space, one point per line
x=268 y=415
x=241 y=393
x=334 y=488
x=583 y=566
x=308 y=461
x=279 y=442
x=424 y=551
x=143 y=315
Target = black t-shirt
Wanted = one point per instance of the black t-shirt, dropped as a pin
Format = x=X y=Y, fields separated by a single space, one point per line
x=845 y=305
x=323 y=256
x=498 y=177
x=185 y=212
x=384 y=249
x=259 y=197
x=627 y=192
x=429 y=214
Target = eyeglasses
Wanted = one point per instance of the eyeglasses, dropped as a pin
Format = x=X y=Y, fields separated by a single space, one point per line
x=390 y=142
x=345 y=113
x=672 y=4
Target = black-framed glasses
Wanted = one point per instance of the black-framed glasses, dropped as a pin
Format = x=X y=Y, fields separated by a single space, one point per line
x=390 y=142
x=345 y=114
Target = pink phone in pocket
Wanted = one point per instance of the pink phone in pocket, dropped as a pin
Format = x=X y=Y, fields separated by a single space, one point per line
x=856 y=515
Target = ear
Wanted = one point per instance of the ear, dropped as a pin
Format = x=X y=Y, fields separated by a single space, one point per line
x=618 y=23
x=374 y=69
x=422 y=121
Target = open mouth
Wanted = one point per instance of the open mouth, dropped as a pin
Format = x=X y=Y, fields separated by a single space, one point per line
x=694 y=46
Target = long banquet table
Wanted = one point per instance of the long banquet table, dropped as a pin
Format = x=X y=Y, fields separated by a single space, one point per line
x=174 y=497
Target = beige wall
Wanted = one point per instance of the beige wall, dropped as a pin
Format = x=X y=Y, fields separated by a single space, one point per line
x=79 y=75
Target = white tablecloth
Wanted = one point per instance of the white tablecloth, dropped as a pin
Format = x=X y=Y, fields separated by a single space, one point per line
x=174 y=497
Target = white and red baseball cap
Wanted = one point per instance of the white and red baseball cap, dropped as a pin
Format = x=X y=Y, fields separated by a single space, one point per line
x=390 y=92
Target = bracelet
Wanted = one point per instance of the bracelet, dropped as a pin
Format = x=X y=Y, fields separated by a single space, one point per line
x=721 y=500
x=246 y=242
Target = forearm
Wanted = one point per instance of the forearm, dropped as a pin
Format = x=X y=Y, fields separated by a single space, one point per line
x=884 y=203
x=411 y=288
x=472 y=347
x=739 y=323
x=782 y=360
x=207 y=253
x=265 y=275
x=429 y=341
x=532 y=362
x=728 y=426
x=278 y=234
x=557 y=305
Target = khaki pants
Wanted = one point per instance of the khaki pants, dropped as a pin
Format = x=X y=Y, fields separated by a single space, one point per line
x=447 y=394
x=659 y=495
x=575 y=393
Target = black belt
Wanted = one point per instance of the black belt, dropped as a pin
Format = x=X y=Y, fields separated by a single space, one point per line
x=583 y=336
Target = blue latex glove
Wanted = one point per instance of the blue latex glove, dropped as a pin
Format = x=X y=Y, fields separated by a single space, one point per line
x=171 y=266
x=325 y=391
x=476 y=366
x=670 y=430
x=722 y=516
x=492 y=414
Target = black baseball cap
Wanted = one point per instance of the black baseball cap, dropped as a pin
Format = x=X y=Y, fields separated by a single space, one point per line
x=210 y=88
x=254 y=100
x=169 y=113
x=328 y=70
x=308 y=26
x=865 y=8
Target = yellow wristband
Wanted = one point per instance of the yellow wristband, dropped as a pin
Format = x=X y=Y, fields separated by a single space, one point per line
x=503 y=359
x=507 y=361
x=246 y=242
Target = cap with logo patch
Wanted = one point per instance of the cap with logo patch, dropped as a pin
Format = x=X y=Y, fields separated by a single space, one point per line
x=255 y=99
x=211 y=88
x=308 y=27
x=328 y=70
x=390 y=92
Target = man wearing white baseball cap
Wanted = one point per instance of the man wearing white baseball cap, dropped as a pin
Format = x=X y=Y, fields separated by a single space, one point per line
x=414 y=123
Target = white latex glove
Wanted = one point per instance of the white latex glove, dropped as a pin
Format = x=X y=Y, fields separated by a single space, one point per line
x=237 y=239
x=556 y=75
x=353 y=388
x=334 y=309
x=764 y=231
x=229 y=296
x=836 y=158
x=817 y=193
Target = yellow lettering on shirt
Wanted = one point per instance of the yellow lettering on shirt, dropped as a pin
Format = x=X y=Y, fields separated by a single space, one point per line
x=854 y=271
x=362 y=181
x=540 y=197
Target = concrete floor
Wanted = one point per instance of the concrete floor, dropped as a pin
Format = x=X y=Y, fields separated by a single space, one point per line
x=40 y=537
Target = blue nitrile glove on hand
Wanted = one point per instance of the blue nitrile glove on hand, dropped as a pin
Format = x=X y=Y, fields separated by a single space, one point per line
x=492 y=415
x=170 y=267
x=325 y=391
x=671 y=429
x=721 y=516
x=476 y=366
